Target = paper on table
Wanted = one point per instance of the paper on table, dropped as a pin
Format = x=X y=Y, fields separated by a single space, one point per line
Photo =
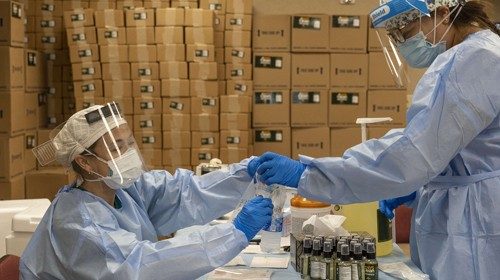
x=252 y=249
x=270 y=261
x=238 y=260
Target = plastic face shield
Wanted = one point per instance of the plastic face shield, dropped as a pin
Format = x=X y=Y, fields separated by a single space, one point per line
x=114 y=141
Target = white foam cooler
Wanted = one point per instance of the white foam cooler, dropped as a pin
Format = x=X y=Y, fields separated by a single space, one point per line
x=18 y=221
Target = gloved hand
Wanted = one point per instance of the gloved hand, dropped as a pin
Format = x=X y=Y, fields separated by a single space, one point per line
x=387 y=206
x=252 y=166
x=277 y=169
x=254 y=216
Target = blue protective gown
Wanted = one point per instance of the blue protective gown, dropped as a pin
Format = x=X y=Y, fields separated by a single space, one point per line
x=451 y=147
x=83 y=237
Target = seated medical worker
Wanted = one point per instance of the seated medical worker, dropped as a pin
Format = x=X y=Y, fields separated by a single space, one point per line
x=106 y=224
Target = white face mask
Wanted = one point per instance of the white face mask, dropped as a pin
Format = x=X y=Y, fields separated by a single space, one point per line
x=123 y=170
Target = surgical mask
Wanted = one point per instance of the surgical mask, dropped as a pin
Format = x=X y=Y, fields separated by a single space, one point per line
x=420 y=53
x=123 y=170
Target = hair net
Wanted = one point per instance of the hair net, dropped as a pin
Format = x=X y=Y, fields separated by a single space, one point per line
x=77 y=134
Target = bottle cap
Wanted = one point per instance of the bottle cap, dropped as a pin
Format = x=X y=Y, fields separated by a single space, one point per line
x=344 y=249
x=316 y=244
x=327 y=247
x=357 y=249
x=307 y=242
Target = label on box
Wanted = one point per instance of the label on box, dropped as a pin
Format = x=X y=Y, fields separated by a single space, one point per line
x=148 y=139
x=145 y=72
x=215 y=6
x=176 y=105
x=238 y=53
x=147 y=89
x=345 y=21
x=85 y=53
x=88 y=104
x=78 y=37
x=147 y=105
x=237 y=72
x=233 y=140
x=145 y=124
x=17 y=10
x=32 y=59
x=306 y=22
x=47 y=23
x=88 y=71
x=77 y=17
x=140 y=16
x=48 y=39
x=201 y=53
x=208 y=102
x=207 y=141
x=204 y=156
x=268 y=98
x=48 y=7
x=51 y=56
x=89 y=87
x=236 y=21
x=240 y=87
x=268 y=136
x=42 y=99
x=312 y=97
x=111 y=34
x=388 y=108
x=30 y=141
x=275 y=62
x=345 y=98
x=310 y=70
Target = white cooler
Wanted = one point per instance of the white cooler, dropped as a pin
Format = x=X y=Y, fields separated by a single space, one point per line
x=18 y=221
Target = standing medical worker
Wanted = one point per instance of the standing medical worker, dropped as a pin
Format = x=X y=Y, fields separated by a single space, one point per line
x=105 y=225
x=451 y=145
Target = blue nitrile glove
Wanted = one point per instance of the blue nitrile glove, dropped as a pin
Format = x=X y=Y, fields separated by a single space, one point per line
x=278 y=169
x=252 y=166
x=254 y=216
x=387 y=206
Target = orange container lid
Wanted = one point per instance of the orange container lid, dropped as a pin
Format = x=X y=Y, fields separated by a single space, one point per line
x=302 y=202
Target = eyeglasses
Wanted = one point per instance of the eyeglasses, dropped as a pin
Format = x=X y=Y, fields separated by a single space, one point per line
x=396 y=35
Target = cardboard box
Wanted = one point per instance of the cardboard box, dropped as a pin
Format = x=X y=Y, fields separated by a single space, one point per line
x=219 y=55
x=310 y=71
x=87 y=102
x=235 y=104
x=69 y=5
x=204 y=105
x=238 y=55
x=374 y=44
x=239 y=22
x=86 y=71
x=219 y=39
x=218 y=6
x=345 y=106
x=199 y=35
x=126 y=104
x=219 y=23
x=142 y=53
x=109 y=18
x=379 y=74
x=204 y=88
x=200 y=53
x=140 y=17
x=116 y=71
x=30 y=142
x=310 y=33
x=83 y=53
x=128 y=4
x=232 y=121
x=309 y=108
x=156 y=4
x=102 y=5
x=388 y=103
x=69 y=106
x=275 y=139
x=231 y=155
x=203 y=155
x=30 y=41
x=48 y=23
x=349 y=70
x=114 y=53
x=271 y=108
x=175 y=88
x=147 y=122
x=169 y=17
x=235 y=138
x=239 y=7
x=140 y=35
x=184 y=4
x=342 y=139
x=11 y=117
x=176 y=139
x=12 y=74
x=377 y=132
x=236 y=38
x=177 y=157
x=205 y=122
x=205 y=140
x=152 y=157
x=313 y=142
x=12 y=28
x=36 y=182
x=349 y=33
x=112 y=36
x=272 y=70
x=47 y=8
x=239 y=71
x=239 y=87
x=148 y=139
x=30 y=111
x=49 y=40
x=81 y=35
x=199 y=18
x=12 y=189
x=171 y=52
x=176 y=122
x=147 y=106
x=173 y=70
x=146 y=88
x=221 y=72
x=141 y=70
x=171 y=35
x=177 y=105
x=30 y=25
x=120 y=88
x=203 y=70
x=79 y=18
x=12 y=157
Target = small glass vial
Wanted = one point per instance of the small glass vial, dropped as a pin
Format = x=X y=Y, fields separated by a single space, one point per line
x=306 y=257
x=344 y=266
x=328 y=270
x=338 y=258
x=357 y=264
x=371 y=264
x=315 y=267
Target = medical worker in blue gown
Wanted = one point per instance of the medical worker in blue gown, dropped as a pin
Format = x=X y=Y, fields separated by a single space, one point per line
x=446 y=162
x=106 y=224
